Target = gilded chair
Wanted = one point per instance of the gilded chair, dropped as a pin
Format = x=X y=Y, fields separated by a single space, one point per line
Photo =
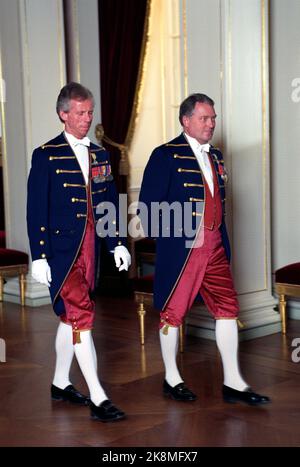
x=287 y=283
x=13 y=263
x=143 y=286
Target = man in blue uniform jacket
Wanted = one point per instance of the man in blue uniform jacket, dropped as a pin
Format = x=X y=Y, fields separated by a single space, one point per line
x=70 y=178
x=185 y=179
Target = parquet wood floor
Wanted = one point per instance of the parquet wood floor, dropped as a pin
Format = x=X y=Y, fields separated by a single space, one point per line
x=133 y=380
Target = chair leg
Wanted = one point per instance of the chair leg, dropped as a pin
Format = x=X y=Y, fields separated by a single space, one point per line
x=181 y=338
x=1 y=288
x=22 y=282
x=141 y=313
x=282 y=309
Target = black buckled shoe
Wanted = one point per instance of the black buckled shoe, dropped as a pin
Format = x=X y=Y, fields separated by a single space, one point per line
x=69 y=394
x=106 y=412
x=247 y=396
x=179 y=392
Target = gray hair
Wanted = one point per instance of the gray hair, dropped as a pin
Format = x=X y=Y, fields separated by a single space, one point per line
x=188 y=105
x=72 y=91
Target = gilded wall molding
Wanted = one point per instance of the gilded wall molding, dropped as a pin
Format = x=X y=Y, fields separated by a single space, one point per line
x=185 y=59
x=265 y=130
x=3 y=148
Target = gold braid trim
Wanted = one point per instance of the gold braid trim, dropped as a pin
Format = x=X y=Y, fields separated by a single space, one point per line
x=166 y=326
x=99 y=130
x=76 y=337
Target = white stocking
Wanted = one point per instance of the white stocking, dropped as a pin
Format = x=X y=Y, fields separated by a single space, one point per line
x=85 y=354
x=94 y=355
x=228 y=342
x=169 y=347
x=64 y=355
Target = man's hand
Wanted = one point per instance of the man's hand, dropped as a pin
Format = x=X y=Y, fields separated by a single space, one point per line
x=121 y=253
x=41 y=271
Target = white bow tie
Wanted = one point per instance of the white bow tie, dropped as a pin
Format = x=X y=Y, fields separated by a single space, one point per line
x=204 y=147
x=84 y=141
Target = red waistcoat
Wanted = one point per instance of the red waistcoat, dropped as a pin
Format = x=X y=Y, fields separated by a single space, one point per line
x=213 y=204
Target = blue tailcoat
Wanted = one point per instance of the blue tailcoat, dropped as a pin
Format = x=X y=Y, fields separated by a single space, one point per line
x=173 y=175
x=57 y=207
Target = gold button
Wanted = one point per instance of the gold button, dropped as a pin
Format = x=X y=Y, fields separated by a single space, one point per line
x=179 y=170
x=43 y=229
x=65 y=185
x=117 y=233
x=185 y=184
x=114 y=222
x=43 y=255
x=119 y=243
x=57 y=171
x=57 y=231
x=42 y=242
x=194 y=213
x=73 y=200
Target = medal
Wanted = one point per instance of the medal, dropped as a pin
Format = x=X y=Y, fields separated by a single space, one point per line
x=224 y=176
x=98 y=179
x=102 y=173
x=222 y=172
x=221 y=169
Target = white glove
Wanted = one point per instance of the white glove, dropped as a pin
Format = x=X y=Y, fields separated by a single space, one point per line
x=41 y=271
x=121 y=253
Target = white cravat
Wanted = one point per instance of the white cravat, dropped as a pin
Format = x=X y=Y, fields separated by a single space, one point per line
x=201 y=152
x=80 y=148
x=204 y=147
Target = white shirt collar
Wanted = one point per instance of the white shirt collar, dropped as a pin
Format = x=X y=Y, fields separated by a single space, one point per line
x=192 y=142
x=74 y=141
